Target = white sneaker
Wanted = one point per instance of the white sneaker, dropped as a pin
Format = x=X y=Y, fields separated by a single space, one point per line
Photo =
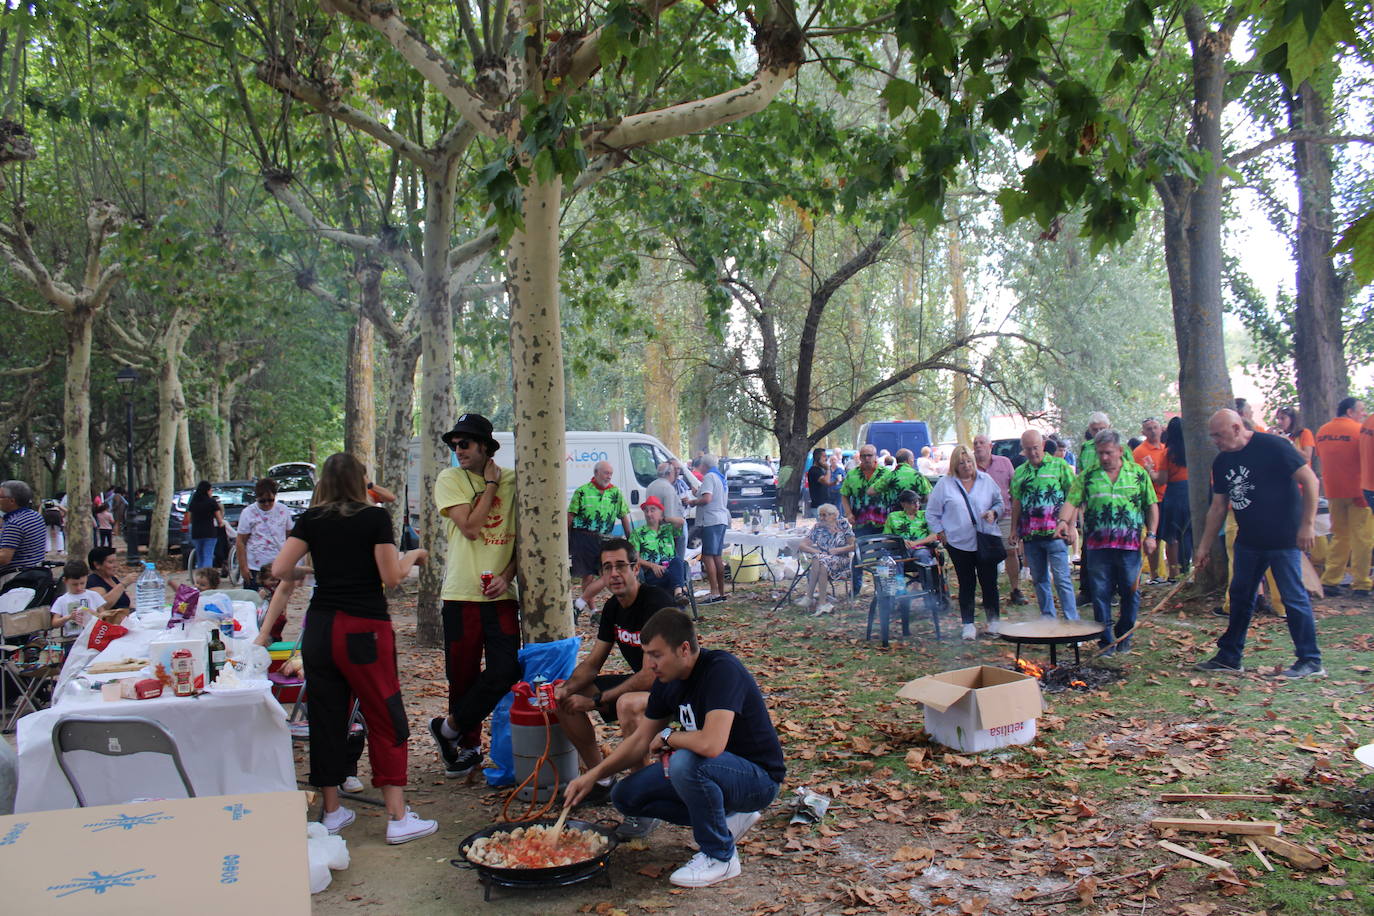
x=970 y=632
x=338 y=819
x=702 y=871
x=995 y=626
x=739 y=823
x=824 y=609
x=351 y=784
x=410 y=827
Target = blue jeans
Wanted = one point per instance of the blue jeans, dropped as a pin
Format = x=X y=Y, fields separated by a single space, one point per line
x=675 y=577
x=1046 y=557
x=1114 y=571
x=204 y=552
x=1248 y=565
x=699 y=792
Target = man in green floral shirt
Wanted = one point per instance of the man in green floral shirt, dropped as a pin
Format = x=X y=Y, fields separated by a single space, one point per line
x=656 y=542
x=1117 y=499
x=1039 y=488
x=901 y=477
x=864 y=507
x=592 y=513
x=909 y=522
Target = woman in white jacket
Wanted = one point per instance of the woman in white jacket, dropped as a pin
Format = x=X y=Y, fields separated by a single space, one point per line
x=963 y=503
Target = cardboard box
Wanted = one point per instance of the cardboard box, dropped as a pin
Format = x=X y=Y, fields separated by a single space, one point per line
x=229 y=854
x=978 y=709
x=161 y=655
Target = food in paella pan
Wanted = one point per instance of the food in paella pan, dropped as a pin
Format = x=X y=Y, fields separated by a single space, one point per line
x=537 y=847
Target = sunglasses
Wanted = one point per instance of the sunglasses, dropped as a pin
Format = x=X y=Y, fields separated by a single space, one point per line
x=456 y=444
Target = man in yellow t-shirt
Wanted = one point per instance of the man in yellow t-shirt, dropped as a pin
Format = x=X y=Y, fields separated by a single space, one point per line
x=480 y=613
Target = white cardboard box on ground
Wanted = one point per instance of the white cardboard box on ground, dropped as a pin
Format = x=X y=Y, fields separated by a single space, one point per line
x=229 y=854
x=978 y=709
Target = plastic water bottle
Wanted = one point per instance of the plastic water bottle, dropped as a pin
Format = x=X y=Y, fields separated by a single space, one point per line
x=150 y=591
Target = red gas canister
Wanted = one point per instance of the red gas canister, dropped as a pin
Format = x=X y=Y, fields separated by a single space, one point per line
x=533 y=728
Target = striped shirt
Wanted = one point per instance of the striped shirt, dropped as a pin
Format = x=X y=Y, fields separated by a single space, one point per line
x=27 y=536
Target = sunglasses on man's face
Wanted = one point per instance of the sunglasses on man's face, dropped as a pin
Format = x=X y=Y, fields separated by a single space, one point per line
x=460 y=443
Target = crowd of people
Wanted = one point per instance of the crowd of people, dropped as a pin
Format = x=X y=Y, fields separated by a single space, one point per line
x=1126 y=502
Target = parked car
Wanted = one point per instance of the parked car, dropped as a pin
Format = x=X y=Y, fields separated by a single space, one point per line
x=137 y=521
x=295 y=484
x=1009 y=448
x=893 y=435
x=750 y=483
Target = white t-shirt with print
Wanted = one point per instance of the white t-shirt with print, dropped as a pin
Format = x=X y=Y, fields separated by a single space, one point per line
x=266 y=532
x=79 y=606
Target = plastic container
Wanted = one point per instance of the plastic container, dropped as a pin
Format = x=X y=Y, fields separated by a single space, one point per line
x=528 y=736
x=150 y=591
x=749 y=570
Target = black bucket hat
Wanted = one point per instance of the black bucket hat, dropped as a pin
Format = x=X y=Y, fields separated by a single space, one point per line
x=471 y=426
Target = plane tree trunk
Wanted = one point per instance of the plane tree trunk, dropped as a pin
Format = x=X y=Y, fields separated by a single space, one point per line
x=1318 y=335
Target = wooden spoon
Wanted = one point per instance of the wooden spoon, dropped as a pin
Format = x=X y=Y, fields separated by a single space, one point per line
x=562 y=818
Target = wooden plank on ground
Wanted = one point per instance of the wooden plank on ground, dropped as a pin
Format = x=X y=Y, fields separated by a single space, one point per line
x=1216 y=796
x=1300 y=856
x=1254 y=847
x=1206 y=825
x=1195 y=856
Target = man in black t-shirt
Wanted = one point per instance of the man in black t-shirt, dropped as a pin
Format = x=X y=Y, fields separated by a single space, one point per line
x=721 y=766
x=616 y=696
x=819 y=482
x=1258 y=476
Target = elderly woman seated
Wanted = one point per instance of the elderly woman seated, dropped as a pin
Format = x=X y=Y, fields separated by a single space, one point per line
x=831 y=544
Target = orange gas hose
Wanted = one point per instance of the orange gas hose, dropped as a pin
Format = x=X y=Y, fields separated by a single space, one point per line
x=532 y=813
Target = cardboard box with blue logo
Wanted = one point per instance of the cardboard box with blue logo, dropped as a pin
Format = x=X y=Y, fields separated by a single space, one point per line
x=231 y=854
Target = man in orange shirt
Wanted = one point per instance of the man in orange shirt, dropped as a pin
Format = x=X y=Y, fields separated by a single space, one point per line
x=1150 y=456
x=1352 y=524
x=1367 y=460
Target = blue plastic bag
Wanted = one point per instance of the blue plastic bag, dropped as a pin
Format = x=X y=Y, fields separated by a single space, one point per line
x=549 y=660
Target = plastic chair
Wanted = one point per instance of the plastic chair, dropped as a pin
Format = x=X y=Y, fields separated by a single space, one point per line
x=113 y=737
x=887 y=596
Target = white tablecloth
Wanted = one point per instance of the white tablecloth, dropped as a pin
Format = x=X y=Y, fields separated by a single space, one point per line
x=229 y=743
x=770 y=540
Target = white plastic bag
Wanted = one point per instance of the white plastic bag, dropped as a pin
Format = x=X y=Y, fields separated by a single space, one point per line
x=325 y=853
x=216 y=608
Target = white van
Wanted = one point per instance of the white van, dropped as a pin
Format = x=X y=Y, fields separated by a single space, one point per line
x=635 y=458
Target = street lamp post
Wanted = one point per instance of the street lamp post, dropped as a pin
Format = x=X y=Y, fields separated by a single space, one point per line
x=127 y=378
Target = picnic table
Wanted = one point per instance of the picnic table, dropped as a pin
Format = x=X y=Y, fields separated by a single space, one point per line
x=236 y=742
x=777 y=539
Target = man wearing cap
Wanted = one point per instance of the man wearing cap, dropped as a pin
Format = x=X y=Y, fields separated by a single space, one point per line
x=665 y=488
x=480 y=613
x=594 y=509
x=657 y=541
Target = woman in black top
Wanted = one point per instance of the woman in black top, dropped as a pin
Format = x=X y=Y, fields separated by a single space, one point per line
x=1175 y=515
x=348 y=646
x=104 y=579
x=207 y=518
